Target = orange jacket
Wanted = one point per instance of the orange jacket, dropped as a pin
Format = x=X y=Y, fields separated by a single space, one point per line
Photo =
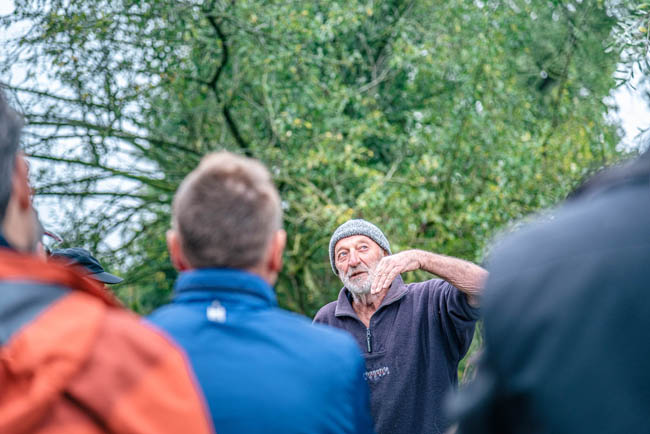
x=73 y=361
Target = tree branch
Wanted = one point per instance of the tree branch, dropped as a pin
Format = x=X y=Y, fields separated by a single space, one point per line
x=115 y=172
x=68 y=183
x=214 y=82
x=55 y=97
x=56 y=121
x=119 y=194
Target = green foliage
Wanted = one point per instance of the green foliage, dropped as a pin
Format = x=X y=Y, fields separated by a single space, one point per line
x=442 y=122
x=632 y=36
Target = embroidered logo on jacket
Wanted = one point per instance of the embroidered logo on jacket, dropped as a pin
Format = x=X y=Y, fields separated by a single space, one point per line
x=376 y=374
x=216 y=312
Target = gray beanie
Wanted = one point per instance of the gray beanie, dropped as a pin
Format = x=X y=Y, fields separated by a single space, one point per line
x=357 y=227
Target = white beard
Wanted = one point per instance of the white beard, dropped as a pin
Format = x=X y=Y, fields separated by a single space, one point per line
x=361 y=285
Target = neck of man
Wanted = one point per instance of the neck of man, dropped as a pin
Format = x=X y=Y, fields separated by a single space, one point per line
x=18 y=229
x=267 y=275
x=365 y=305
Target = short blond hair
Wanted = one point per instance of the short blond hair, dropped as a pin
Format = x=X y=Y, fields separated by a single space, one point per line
x=226 y=211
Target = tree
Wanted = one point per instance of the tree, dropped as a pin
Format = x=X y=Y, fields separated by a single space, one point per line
x=442 y=122
x=632 y=36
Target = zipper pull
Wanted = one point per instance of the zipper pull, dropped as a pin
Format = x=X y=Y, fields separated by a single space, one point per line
x=368 y=340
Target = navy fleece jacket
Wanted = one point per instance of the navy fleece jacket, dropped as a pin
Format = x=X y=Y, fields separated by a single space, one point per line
x=412 y=348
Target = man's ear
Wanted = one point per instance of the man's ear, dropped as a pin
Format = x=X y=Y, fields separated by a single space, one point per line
x=20 y=188
x=276 y=249
x=176 y=252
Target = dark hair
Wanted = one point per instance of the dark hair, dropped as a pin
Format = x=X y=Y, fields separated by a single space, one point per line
x=10 y=126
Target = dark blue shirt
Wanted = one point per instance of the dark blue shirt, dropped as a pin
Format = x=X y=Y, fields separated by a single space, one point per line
x=412 y=348
x=263 y=369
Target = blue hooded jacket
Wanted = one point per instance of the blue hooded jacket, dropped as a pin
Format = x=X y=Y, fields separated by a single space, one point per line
x=263 y=369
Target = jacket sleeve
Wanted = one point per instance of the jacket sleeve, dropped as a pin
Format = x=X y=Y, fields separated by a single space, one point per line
x=456 y=317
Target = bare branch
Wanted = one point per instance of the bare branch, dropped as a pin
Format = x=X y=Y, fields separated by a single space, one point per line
x=132 y=138
x=69 y=182
x=119 y=194
x=213 y=83
x=158 y=184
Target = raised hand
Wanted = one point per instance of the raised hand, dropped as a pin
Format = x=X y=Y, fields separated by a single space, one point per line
x=391 y=266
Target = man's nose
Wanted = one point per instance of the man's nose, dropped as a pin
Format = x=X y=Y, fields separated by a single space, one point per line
x=354 y=259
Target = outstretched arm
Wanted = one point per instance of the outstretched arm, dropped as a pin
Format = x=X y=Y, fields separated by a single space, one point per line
x=464 y=275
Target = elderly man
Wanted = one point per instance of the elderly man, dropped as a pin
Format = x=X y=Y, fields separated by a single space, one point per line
x=412 y=336
x=71 y=359
x=262 y=369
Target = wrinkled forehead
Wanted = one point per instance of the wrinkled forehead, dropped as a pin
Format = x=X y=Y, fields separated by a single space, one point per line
x=352 y=241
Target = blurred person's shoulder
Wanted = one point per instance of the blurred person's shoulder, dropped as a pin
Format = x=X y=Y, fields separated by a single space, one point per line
x=327 y=313
x=100 y=355
x=605 y=221
x=320 y=338
x=124 y=346
x=607 y=212
x=332 y=352
x=142 y=375
x=587 y=239
x=124 y=328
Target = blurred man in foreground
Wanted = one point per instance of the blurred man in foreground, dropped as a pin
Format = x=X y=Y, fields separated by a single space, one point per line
x=262 y=369
x=567 y=314
x=412 y=336
x=71 y=361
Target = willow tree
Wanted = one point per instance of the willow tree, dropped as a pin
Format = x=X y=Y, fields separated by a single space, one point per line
x=441 y=121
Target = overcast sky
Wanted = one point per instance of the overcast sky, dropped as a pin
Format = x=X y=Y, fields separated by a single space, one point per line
x=633 y=113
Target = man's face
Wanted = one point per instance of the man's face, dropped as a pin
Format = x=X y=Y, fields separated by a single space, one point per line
x=355 y=258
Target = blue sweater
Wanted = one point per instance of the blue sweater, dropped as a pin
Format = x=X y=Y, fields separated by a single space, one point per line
x=263 y=369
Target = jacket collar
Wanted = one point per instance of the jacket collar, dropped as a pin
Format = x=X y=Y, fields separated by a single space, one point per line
x=396 y=291
x=228 y=285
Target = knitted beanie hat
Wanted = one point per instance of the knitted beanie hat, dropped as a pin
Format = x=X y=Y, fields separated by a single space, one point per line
x=357 y=227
